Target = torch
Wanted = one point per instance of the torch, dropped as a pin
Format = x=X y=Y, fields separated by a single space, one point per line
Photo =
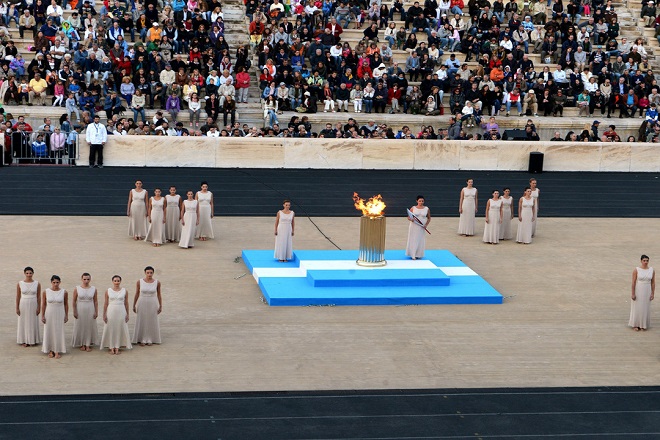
x=372 y=231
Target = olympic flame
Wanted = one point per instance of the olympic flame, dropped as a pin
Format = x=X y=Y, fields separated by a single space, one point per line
x=373 y=207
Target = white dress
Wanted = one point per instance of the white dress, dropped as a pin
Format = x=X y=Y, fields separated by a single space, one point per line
x=205 y=228
x=507 y=211
x=416 y=234
x=147 y=328
x=466 y=222
x=115 y=331
x=137 y=222
x=190 y=224
x=156 y=233
x=525 y=226
x=28 y=322
x=640 y=309
x=535 y=196
x=283 y=239
x=173 y=222
x=492 y=228
x=54 y=326
x=85 y=330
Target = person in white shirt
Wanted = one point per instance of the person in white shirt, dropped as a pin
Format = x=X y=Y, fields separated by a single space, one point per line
x=96 y=136
x=55 y=12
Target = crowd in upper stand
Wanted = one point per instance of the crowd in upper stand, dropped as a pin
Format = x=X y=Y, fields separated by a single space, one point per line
x=127 y=57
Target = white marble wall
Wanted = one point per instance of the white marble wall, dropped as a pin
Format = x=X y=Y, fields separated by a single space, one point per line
x=139 y=151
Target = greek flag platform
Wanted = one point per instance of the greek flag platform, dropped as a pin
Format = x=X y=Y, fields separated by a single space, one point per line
x=334 y=278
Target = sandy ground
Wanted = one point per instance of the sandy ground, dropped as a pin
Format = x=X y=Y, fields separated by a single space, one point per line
x=563 y=322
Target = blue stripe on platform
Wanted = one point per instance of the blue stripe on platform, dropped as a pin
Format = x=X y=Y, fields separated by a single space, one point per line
x=406 y=282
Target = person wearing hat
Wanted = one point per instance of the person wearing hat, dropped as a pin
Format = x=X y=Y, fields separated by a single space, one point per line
x=155 y=32
x=649 y=13
x=379 y=71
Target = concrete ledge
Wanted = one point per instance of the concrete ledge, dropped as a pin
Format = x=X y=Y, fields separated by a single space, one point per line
x=140 y=151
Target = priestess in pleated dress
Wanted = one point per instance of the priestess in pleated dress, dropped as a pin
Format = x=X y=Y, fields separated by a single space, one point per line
x=525 y=217
x=156 y=232
x=284 y=230
x=643 y=291
x=189 y=221
x=137 y=211
x=467 y=208
x=416 y=244
x=85 y=312
x=173 y=216
x=28 y=306
x=115 y=316
x=147 y=305
x=535 y=194
x=205 y=200
x=507 y=215
x=54 y=314
x=493 y=219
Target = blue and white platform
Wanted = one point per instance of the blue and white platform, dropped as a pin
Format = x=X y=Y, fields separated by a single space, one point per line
x=334 y=278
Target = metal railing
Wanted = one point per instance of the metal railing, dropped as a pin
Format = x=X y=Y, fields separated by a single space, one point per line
x=37 y=148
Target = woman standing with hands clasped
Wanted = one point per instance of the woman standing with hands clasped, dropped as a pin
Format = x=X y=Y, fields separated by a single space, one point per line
x=284 y=229
x=507 y=215
x=467 y=207
x=137 y=211
x=493 y=219
x=54 y=314
x=28 y=306
x=189 y=221
x=205 y=200
x=147 y=305
x=173 y=216
x=156 y=216
x=525 y=217
x=115 y=317
x=535 y=194
x=416 y=234
x=643 y=291
x=85 y=312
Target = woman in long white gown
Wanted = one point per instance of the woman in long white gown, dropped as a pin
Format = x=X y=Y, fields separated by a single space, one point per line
x=173 y=216
x=137 y=211
x=85 y=311
x=28 y=307
x=115 y=317
x=147 y=305
x=189 y=221
x=507 y=215
x=525 y=217
x=416 y=244
x=493 y=219
x=156 y=216
x=535 y=193
x=205 y=200
x=643 y=291
x=54 y=314
x=284 y=230
x=467 y=208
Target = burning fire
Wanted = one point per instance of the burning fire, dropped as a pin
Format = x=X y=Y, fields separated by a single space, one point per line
x=373 y=208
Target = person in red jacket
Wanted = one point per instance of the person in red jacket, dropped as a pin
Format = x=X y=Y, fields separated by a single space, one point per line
x=242 y=85
x=393 y=98
x=335 y=28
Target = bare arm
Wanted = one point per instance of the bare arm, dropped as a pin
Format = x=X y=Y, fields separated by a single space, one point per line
x=105 y=308
x=126 y=305
x=43 y=309
x=38 y=298
x=653 y=286
x=293 y=224
x=137 y=295
x=197 y=214
x=476 y=201
x=181 y=215
x=66 y=306
x=460 y=204
x=520 y=209
x=277 y=221
x=149 y=207
x=75 y=303
x=212 y=206
x=18 y=299
x=146 y=202
x=96 y=304
x=534 y=211
x=634 y=282
x=160 y=298
x=501 y=211
x=487 y=210
x=130 y=200
x=428 y=217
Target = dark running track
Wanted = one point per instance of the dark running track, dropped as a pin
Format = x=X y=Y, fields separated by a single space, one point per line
x=44 y=190
x=579 y=413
